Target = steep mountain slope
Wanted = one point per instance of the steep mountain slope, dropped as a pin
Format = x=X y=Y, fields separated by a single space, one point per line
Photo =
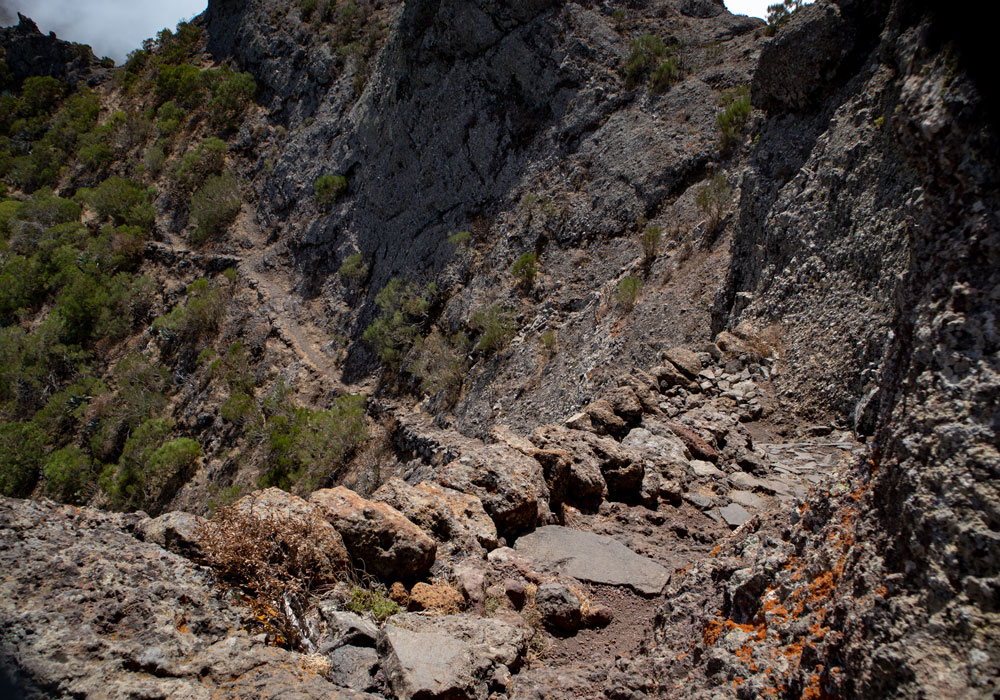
x=499 y=220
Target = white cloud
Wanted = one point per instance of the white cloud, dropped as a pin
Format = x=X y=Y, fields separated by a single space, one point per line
x=753 y=8
x=111 y=27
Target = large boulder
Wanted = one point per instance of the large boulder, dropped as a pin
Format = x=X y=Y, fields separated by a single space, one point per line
x=797 y=69
x=379 y=538
x=664 y=453
x=592 y=459
x=572 y=471
x=448 y=656
x=87 y=610
x=448 y=515
x=510 y=485
x=175 y=531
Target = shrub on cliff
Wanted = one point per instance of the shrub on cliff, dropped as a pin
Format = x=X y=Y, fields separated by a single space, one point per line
x=713 y=199
x=525 y=269
x=124 y=201
x=214 y=206
x=328 y=188
x=403 y=309
x=22 y=448
x=496 y=326
x=732 y=118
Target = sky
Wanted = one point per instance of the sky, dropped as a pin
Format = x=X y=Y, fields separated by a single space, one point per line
x=115 y=27
x=111 y=27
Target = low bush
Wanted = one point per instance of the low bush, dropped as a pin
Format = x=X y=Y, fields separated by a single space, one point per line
x=645 y=52
x=230 y=98
x=439 y=364
x=328 y=188
x=664 y=75
x=124 y=201
x=650 y=240
x=198 y=316
x=496 y=326
x=403 y=308
x=732 y=119
x=525 y=269
x=22 y=449
x=150 y=467
x=208 y=158
x=308 y=448
x=170 y=118
x=713 y=200
x=628 y=292
x=214 y=206
x=372 y=601
x=68 y=475
x=353 y=269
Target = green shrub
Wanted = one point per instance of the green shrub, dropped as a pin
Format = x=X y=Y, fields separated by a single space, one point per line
x=628 y=292
x=209 y=158
x=240 y=409
x=198 y=316
x=665 y=75
x=644 y=53
x=460 y=238
x=496 y=326
x=328 y=188
x=40 y=96
x=171 y=118
x=732 y=119
x=68 y=474
x=713 y=200
x=403 y=308
x=154 y=159
x=214 y=206
x=372 y=601
x=650 y=239
x=549 y=342
x=525 y=269
x=125 y=202
x=308 y=448
x=230 y=99
x=353 y=269
x=150 y=467
x=95 y=154
x=22 y=449
x=306 y=9
x=183 y=83
x=439 y=364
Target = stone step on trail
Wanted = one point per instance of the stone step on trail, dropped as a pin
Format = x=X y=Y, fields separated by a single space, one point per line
x=591 y=558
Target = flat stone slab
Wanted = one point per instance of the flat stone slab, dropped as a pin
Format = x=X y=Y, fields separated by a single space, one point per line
x=734 y=514
x=591 y=558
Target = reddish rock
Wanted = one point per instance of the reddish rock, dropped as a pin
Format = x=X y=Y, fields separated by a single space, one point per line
x=378 y=537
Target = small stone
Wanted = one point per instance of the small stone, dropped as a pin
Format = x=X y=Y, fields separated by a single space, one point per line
x=398 y=594
x=559 y=606
x=598 y=616
x=439 y=598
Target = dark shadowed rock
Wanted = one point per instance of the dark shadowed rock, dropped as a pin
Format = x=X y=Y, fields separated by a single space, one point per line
x=559 y=607
x=591 y=558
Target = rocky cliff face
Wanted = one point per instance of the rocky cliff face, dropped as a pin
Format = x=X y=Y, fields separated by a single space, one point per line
x=595 y=511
